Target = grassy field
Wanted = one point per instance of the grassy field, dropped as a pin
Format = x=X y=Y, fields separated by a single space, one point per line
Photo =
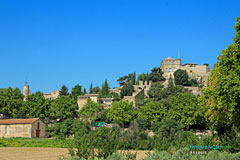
x=35 y=142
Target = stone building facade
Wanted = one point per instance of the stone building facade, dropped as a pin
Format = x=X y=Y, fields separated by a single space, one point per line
x=198 y=72
x=82 y=100
x=28 y=128
x=53 y=95
x=107 y=102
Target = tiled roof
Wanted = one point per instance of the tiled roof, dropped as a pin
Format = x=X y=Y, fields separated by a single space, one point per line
x=18 y=121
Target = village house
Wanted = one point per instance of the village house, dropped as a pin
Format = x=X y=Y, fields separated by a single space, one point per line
x=82 y=100
x=28 y=128
x=107 y=102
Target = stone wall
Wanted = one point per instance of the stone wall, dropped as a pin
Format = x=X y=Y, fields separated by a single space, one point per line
x=81 y=101
x=22 y=130
x=41 y=128
x=15 y=130
x=195 y=90
x=53 y=95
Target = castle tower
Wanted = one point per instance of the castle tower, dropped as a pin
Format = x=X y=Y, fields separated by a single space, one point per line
x=26 y=91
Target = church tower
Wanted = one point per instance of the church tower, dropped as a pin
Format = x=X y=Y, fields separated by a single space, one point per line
x=26 y=91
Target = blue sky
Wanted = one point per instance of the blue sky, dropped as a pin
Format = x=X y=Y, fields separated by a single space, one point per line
x=54 y=43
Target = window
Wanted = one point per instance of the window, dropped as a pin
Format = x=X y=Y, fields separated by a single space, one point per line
x=173 y=62
x=166 y=70
x=170 y=62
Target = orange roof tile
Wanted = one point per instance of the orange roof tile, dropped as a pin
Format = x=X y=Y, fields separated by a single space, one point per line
x=18 y=121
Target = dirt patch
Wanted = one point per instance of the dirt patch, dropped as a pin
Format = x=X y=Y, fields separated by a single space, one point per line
x=36 y=153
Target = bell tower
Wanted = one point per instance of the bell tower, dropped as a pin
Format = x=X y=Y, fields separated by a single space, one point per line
x=26 y=91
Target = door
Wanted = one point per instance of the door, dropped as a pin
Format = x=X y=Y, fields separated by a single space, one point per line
x=37 y=133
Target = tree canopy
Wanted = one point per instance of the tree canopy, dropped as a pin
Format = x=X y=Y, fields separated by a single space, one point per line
x=181 y=77
x=36 y=106
x=156 y=75
x=121 y=112
x=76 y=91
x=63 y=107
x=152 y=112
x=64 y=91
x=127 y=90
x=185 y=110
x=90 y=110
x=11 y=101
x=221 y=97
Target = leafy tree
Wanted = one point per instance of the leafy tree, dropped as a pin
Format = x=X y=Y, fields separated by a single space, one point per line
x=123 y=80
x=90 y=90
x=106 y=141
x=148 y=78
x=11 y=100
x=90 y=110
x=127 y=90
x=105 y=88
x=152 y=112
x=36 y=106
x=185 y=109
x=77 y=91
x=84 y=91
x=63 y=107
x=155 y=91
x=96 y=90
x=193 y=82
x=61 y=130
x=156 y=75
x=121 y=112
x=133 y=78
x=143 y=78
x=83 y=141
x=64 y=91
x=221 y=97
x=181 y=77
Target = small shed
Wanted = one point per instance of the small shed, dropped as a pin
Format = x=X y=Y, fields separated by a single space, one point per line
x=29 y=128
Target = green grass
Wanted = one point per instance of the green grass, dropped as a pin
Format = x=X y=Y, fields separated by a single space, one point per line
x=35 y=142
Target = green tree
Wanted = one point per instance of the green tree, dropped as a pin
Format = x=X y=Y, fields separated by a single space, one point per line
x=133 y=78
x=155 y=91
x=163 y=95
x=84 y=91
x=143 y=78
x=36 y=106
x=127 y=90
x=148 y=78
x=156 y=75
x=106 y=141
x=170 y=82
x=123 y=80
x=221 y=97
x=121 y=112
x=11 y=100
x=152 y=112
x=105 y=89
x=77 y=91
x=185 y=110
x=90 y=90
x=193 y=82
x=96 y=90
x=181 y=77
x=63 y=107
x=61 y=130
x=90 y=110
x=64 y=91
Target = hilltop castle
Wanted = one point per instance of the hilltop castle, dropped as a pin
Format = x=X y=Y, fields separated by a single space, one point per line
x=198 y=72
